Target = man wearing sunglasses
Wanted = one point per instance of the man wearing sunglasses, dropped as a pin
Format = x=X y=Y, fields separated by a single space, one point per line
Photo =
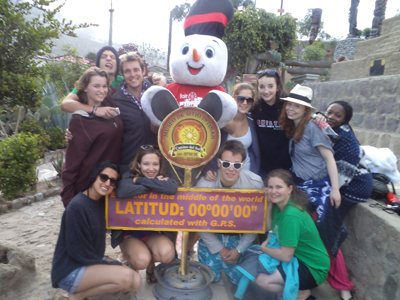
x=222 y=251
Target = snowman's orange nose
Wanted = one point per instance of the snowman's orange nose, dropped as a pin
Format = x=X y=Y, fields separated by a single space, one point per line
x=196 y=56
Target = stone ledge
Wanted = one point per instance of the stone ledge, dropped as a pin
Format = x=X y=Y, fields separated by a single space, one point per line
x=28 y=200
x=372 y=252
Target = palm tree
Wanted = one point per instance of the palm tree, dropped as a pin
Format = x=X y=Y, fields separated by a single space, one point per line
x=178 y=13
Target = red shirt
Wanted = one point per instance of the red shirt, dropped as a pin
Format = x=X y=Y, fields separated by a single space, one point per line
x=190 y=95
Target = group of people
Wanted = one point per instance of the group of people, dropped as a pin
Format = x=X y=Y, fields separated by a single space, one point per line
x=311 y=182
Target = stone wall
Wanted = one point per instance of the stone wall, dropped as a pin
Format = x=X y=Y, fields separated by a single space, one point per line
x=372 y=252
x=376 y=105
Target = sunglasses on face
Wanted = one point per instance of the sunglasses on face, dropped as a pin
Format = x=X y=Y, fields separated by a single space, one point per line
x=145 y=147
x=104 y=177
x=241 y=99
x=227 y=164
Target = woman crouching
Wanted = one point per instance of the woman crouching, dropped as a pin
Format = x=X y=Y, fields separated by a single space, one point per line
x=297 y=235
x=79 y=265
x=143 y=248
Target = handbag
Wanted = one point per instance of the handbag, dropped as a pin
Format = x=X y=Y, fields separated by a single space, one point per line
x=380 y=189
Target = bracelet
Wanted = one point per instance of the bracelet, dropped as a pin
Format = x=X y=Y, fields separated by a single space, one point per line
x=94 y=110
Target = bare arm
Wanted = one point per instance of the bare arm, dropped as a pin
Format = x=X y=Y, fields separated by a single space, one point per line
x=71 y=104
x=333 y=175
x=230 y=128
x=154 y=128
x=282 y=254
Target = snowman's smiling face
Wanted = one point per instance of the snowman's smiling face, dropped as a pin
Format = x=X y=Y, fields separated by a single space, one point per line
x=200 y=60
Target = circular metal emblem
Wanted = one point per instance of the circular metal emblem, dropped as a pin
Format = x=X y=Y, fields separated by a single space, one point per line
x=189 y=137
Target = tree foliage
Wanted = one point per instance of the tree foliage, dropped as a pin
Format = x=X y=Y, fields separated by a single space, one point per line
x=91 y=56
x=315 y=52
x=253 y=30
x=66 y=72
x=22 y=38
x=243 y=3
x=304 y=27
x=131 y=47
x=178 y=13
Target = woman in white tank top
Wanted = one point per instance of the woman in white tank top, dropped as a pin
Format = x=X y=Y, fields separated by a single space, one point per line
x=241 y=128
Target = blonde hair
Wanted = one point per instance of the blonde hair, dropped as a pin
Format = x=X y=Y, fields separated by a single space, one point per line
x=131 y=56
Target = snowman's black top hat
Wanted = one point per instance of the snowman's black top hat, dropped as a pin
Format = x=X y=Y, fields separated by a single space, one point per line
x=209 y=17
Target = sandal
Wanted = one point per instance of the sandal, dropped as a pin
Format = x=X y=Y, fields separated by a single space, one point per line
x=151 y=278
x=351 y=298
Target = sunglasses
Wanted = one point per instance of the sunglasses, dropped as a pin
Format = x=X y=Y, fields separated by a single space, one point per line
x=227 y=164
x=145 y=147
x=105 y=178
x=241 y=99
x=268 y=72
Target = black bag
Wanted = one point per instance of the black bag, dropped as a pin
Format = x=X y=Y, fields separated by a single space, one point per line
x=380 y=186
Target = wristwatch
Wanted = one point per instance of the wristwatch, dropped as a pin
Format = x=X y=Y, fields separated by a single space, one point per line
x=240 y=252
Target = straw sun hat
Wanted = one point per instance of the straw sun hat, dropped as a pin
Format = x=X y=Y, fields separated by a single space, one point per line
x=300 y=95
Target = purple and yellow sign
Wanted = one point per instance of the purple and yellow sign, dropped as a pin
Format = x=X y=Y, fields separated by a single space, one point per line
x=217 y=210
x=189 y=137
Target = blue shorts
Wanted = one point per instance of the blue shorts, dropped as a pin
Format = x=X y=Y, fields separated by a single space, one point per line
x=72 y=280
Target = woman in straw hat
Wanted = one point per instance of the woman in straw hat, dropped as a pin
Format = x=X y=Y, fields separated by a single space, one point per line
x=313 y=164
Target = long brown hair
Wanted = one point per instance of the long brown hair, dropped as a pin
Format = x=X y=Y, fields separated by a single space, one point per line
x=280 y=92
x=299 y=198
x=288 y=126
x=149 y=149
x=84 y=81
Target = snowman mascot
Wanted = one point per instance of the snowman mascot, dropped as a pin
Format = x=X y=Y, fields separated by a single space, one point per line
x=198 y=66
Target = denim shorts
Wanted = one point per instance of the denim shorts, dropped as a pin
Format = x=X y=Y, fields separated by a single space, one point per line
x=72 y=280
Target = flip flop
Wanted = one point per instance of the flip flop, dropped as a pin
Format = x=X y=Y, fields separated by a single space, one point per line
x=151 y=278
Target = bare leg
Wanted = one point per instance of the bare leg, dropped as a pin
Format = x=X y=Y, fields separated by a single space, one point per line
x=102 y=279
x=193 y=238
x=345 y=294
x=303 y=294
x=273 y=282
x=161 y=247
x=137 y=252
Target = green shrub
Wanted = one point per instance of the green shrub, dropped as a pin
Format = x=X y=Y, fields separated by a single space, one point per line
x=18 y=160
x=315 y=52
x=32 y=126
x=57 y=140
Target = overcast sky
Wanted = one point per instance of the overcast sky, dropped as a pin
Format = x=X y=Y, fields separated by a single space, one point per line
x=146 y=21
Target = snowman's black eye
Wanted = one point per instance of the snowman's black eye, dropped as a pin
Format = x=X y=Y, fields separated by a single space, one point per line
x=185 y=49
x=209 y=52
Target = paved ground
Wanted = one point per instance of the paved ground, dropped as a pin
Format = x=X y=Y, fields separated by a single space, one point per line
x=35 y=228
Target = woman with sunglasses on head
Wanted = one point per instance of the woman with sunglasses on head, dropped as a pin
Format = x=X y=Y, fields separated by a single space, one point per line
x=355 y=183
x=95 y=139
x=272 y=140
x=143 y=248
x=79 y=265
x=313 y=164
x=242 y=129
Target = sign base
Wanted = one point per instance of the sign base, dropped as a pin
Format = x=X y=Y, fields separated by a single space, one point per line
x=195 y=285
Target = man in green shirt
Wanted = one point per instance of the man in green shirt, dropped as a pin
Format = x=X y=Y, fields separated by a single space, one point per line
x=107 y=59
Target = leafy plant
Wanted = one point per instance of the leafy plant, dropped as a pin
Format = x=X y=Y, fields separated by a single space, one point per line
x=255 y=30
x=315 y=52
x=57 y=140
x=27 y=29
x=33 y=127
x=64 y=73
x=18 y=160
x=58 y=163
